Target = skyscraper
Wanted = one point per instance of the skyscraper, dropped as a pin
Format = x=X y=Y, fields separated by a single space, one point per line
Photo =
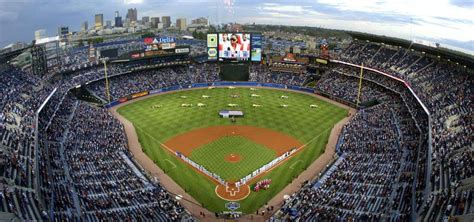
x=181 y=24
x=166 y=20
x=145 y=19
x=132 y=14
x=154 y=22
x=108 y=24
x=118 y=20
x=99 y=21
x=85 y=26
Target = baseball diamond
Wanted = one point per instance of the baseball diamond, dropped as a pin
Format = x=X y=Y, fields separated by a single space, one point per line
x=226 y=116
x=215 y=147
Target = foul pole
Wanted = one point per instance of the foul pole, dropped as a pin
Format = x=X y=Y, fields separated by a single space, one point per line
x=360 y=82
x=107 y=92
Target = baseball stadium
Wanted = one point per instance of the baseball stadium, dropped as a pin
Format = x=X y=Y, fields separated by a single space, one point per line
x=147 y=119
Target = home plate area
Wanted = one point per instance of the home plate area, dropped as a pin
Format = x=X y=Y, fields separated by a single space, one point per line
x=232 y=192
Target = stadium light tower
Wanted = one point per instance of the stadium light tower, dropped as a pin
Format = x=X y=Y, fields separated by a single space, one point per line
x=360 y=82
x=107 y=92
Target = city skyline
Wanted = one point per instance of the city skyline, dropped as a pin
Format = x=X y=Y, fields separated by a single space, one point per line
x=448 y=22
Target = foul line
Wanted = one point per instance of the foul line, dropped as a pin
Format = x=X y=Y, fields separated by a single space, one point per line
x=162 y=144
x=321 y=133
x=169 y=161
x=292 y=165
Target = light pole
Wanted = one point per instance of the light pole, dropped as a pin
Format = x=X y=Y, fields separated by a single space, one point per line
x=104 y=60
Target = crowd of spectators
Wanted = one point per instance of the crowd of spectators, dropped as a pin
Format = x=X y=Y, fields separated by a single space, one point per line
x=446 y=90
x=373 y=176
x=138 y=81
x=383 y=154
x=261 y=73
x=93 y=176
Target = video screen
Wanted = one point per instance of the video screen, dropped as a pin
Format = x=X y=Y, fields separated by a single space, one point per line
x=109 y=53
x=234 y=46
x=256 y=55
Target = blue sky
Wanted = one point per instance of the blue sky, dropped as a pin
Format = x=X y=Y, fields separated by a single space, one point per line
x=449 y=22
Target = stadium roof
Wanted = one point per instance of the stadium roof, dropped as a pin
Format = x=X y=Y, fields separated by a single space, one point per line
x=454 y=56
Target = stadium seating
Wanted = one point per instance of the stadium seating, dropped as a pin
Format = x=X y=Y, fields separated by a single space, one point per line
x=384 y=169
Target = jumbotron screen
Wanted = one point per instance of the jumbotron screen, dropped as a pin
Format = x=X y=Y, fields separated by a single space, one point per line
x=234 y=46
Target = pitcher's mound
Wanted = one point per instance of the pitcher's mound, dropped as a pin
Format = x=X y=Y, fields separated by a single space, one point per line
x=233 y=158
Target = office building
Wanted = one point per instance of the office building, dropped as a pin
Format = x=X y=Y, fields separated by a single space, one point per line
x=154 y=22
x=181 y=24
x=132 y=14
x=85 y=26
x=118 y=20
x=99 y=21
x=166 y=20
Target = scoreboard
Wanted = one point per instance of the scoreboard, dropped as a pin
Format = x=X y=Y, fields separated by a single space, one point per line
x=234 y=47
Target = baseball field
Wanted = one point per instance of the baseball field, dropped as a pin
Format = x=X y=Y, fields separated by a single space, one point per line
x=274 y=122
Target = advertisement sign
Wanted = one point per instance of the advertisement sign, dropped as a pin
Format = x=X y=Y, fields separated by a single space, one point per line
x=182 y=50
x=148 y=41
x=256 y=55
x=168 y=45
x=323 y=61
x=211 y=40
x=136 y=95
x=212 y=53
x=158 y=40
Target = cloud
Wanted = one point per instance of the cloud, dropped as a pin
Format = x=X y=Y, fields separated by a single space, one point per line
x=446 y=21
x=129 y=2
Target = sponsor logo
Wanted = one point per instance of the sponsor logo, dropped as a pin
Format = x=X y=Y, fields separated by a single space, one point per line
x=212 y=52
x=158 y=40
x=211 y=40
x=182 y=50
x=168 y=45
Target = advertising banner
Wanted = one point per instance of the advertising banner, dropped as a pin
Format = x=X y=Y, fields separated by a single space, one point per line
x=182 y=50
x=140 y=94
x=256 y=54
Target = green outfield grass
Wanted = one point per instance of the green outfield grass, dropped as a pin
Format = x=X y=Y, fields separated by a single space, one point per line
x=212 y=157
x=306 y=124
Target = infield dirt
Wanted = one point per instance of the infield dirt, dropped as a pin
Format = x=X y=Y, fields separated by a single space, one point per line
x=185 y=143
